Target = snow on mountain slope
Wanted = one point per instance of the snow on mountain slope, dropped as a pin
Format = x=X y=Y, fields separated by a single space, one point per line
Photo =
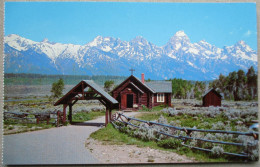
x=111 y=56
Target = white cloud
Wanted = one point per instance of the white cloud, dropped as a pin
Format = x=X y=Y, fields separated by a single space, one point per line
x=248 y=33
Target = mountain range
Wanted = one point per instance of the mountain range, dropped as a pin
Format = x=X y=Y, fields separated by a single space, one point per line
x=178 y=58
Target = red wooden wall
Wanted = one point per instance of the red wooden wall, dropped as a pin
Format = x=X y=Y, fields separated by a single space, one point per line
x=211 y=99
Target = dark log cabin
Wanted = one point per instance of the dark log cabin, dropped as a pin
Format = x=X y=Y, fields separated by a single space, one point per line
x=133 y=93
x=211 y=98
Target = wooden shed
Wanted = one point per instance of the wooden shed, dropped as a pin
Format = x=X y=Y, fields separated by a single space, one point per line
x=133 y=93
x=211 y=98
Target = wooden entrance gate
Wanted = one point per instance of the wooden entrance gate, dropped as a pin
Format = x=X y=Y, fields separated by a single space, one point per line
x=87 y=90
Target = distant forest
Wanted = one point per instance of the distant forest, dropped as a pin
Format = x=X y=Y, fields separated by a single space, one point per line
x=42 y=79
x=238 y=85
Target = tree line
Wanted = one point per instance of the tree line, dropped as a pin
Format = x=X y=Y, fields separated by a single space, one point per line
x=44 y=79
x=183 y=89
x=237 y=85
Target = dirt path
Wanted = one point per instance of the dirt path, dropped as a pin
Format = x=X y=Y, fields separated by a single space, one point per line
x=133 y=154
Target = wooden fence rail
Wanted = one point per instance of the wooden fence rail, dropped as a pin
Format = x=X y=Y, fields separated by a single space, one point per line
x=43 y=116
x=119 y=117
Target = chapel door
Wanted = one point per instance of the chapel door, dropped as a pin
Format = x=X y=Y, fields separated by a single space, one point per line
x=123 y=101
x=130 y=100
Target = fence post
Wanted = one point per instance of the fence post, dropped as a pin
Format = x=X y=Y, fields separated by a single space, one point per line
x=37 y=120
x=58 y=118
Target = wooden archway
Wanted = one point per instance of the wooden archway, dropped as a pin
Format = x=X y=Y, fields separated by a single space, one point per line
x=79 y=92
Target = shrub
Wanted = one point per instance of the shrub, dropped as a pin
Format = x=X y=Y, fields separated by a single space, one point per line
x=242 y=128
x=144 y=108
x=217 y=151
x=10 y=127
x=162 y=120
x=170 y=143
x=145 y=132
x=209 y=137
x=251 y=146
x=218 y=126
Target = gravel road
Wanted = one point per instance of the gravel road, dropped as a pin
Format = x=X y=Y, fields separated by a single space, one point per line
x=63 y=145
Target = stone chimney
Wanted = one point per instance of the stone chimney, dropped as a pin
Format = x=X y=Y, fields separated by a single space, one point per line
x=142 y=78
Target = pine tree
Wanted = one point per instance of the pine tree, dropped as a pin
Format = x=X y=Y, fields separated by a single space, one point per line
x=251 y=81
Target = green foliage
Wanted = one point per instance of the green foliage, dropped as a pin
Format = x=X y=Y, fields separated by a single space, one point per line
x=57 y=88
x=144 y=108
x=237 y=85
x=170 y=143
x=113 y=136
x=183 y=89
x=85 y=116
x=108 y=85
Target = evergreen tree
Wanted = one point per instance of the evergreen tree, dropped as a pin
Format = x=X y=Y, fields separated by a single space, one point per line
x=237 y=85
x=57 y=88
x=252 y=82
x=108 y=85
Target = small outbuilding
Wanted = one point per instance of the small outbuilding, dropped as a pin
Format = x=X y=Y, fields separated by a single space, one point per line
x=211 y=98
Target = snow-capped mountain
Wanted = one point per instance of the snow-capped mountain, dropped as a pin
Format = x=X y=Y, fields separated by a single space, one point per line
x=110 y=56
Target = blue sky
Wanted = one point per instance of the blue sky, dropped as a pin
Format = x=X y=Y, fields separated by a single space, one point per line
x=221 y=24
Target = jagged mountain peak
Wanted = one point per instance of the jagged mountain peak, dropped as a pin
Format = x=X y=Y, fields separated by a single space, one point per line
x=45 y=40
x=241 y=42
x=14 y=37
x=205 y=44
x=180 y=34
x=179 y=37
x=98 y=40
x=243 y=46
x=140 y=40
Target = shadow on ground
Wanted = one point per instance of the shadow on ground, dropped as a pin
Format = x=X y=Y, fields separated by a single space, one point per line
x=87 y=124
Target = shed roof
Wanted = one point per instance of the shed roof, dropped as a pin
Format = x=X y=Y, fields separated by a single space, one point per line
x=73 y=92
x=160 y=86
x=213 y=90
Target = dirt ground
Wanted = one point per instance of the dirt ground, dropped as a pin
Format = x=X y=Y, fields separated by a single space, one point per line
x=132 y=154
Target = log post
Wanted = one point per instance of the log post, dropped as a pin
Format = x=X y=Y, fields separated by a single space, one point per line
x=110 y=115
x=58 y=118
x=64 y=113
x=106 y=117
x=70 y=113
x=48 y=119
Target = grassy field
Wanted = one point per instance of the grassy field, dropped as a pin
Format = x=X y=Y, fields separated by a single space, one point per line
x=84 y=116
